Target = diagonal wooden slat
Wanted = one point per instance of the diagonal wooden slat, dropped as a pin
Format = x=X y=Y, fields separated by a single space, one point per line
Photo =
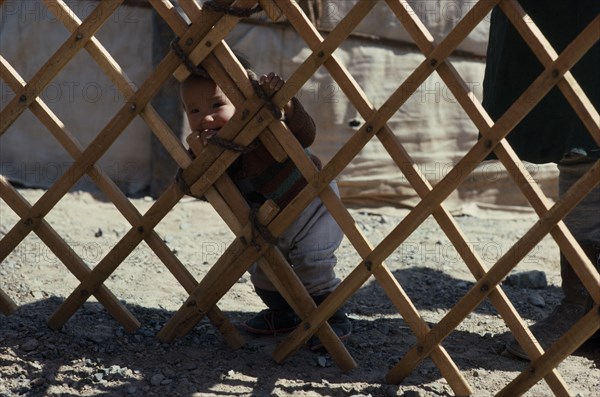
x=378 y=119
x=130 y=212
x=546 y=54
x=566 y=345
x=446 y=222
x=483 y=122
x=336 y=37
x=7 y=305
x=222 y=132
x=232 y=207
x=374 y=124
x=560 y=233
x=263 y=118
x=213 y=66
x=122 y=82
x=176 y=22
x=459 y=250
x=496 y=274
x=99 y=145
x=236 y=259
x=162 y=206
x=126 y=86
x=47 y=117
x=24 y=97
x=392 y=288
x=482 y=147
x=68 y=257
x=519 y=173
x=514 y=114
x=206 y=176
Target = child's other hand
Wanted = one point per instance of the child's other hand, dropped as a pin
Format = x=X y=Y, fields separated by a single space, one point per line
x=271 y=83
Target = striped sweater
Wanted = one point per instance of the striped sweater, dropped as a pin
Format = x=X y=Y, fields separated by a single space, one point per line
x=260 y=177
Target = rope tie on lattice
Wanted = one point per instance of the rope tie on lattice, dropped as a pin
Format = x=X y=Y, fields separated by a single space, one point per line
x=260 y=229
x=195 y=70
x=184 y=186
x=213 y=5
x=232 y=146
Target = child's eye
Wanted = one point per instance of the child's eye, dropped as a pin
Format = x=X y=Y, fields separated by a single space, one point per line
x=217 y=105
x=194 y=110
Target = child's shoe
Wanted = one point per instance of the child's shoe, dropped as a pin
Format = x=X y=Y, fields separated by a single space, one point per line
x=271 y=322
x=339 y=322
x=278 y=318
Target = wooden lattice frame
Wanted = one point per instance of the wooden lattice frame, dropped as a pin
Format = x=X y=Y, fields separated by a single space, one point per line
x=205 y=176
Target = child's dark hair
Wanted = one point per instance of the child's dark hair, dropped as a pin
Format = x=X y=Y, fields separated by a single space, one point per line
x=198 y=72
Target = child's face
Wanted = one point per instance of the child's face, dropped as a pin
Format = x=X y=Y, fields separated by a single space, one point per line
x=206 y=106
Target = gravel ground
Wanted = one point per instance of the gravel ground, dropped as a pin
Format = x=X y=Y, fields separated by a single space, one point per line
x=93 y=355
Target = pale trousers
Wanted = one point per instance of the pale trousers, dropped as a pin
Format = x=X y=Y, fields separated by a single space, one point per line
x=584 y=220
x=309 y=245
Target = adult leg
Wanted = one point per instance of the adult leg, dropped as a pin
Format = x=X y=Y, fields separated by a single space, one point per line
x=584 y=223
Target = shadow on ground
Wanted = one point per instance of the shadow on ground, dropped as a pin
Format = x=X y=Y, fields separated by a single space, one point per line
x=93 y=355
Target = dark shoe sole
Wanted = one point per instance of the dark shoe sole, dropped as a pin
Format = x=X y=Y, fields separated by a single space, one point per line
x=268 y=332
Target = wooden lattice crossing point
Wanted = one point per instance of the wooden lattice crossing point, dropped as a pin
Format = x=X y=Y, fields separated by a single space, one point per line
x=203 y=173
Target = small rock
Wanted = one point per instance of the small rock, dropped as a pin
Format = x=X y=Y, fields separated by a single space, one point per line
x=506 y=353
x=144 y=331
x=98 y=233
x=30 y=345
x=412 y=393
x=35 y=365
x=99 y=339
x=322 y=361
x=38 y=382
x=536 y=299
x=189 y=366
x=97 y=377
x=535 y=279
x=462 y=285
x=157 y=379
x=169 y=373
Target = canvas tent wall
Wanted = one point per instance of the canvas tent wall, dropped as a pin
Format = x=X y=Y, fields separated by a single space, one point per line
x=430 y=125
x=81 y=95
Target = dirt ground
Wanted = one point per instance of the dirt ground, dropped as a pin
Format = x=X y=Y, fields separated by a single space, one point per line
x=92 y=355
